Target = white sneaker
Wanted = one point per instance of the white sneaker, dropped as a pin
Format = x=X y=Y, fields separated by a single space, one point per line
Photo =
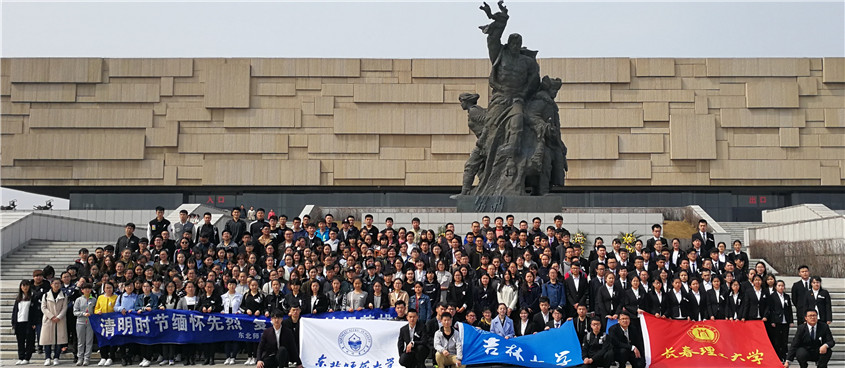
x=108 y=362
x=18 y=362
x=144 y=363
x=24 y=362
x=47 y=362
x=55 y=362
x=101 y=362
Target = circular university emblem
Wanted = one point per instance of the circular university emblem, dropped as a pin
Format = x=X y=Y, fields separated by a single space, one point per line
x=703 y=333
x=355 y=341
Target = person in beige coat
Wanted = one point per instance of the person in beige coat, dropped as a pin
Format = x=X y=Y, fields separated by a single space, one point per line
x=53 y=328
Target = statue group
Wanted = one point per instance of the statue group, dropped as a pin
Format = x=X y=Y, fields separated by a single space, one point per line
x=519 y=150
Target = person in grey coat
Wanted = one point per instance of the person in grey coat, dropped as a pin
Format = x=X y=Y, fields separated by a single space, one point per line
x=83 y=308
x=448 y=347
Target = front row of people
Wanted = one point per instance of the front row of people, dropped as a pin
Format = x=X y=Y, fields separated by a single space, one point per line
x=812 y=342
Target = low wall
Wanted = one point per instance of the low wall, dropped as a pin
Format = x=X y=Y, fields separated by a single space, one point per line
x=799 y=212
x=826 y=258
x=44 y=226
x=817 y=229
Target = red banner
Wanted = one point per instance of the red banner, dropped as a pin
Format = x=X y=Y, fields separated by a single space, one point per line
x=720 y=343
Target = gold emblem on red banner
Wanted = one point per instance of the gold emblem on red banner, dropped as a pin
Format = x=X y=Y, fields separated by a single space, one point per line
x=703 y=333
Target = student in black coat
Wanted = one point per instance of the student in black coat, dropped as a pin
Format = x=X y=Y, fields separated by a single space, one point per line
x=271 y=356
x=609 y=298
x=677 y=301
x=656 y=299
x=800 y=289
x=581 y=322
x=818 y=299
x=623 y=342
x=779 y=319
x=812 y=342
x=756 y=300
x=576 y=291
x=635 y=298
x=595 y=349
x=524 y=326
x=735 y=307
x=315 y=302
x=413 y=349
x=210 y=302
x=698 y=309
x=717 y=299
x=380 y=301
x=292 y=323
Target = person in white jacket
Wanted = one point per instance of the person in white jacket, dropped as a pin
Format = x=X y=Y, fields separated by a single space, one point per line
x=231 y=304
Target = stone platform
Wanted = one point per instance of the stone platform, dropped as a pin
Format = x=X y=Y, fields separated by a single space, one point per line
x=509 y=203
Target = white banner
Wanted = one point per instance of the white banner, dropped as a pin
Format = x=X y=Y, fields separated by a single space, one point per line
x=349 y=343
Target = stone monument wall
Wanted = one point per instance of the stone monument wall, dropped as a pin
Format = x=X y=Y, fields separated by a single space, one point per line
x=396 y=122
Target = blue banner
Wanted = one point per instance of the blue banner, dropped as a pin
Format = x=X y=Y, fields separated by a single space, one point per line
x=557 y=347
x=172 y=326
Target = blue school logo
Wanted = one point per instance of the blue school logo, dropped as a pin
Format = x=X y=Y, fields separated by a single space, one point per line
x=355 y=341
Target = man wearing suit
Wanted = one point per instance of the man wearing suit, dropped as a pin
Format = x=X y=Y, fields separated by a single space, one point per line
x=576 y=288
x=346 y=232
x=413 y=349
x=799 y=291
x=738 y=254
x=557 y=319
x=623 y=343
x=278 y=346
x=812 y=342
x=545 y=315
x=707 y=240
x=656 y=235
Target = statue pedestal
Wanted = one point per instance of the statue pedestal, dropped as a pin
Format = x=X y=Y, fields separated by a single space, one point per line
x=509 y=203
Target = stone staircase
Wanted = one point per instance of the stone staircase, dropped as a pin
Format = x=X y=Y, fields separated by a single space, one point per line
x=37 y=254
x=737 y=230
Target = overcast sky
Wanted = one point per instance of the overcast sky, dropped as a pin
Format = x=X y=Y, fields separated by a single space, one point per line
x=405 y=29
x=428 y=29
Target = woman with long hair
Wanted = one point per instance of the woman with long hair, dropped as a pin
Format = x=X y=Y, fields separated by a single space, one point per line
x=105 y=304
x=506 y=293
x=529 y=294
x=210 y=302
x=460 y=295
x=53 y=326
x=169 y=299
x=23 y=322
x=254 y=304
x=189 y=302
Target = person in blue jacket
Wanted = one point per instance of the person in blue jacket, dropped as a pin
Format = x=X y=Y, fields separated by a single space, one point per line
x=553 y=289
x=502 y=325
x=146 y=302
x=126 y=304
x=420 y=302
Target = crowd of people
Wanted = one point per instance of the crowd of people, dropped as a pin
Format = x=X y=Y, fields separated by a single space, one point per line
x=510 y=278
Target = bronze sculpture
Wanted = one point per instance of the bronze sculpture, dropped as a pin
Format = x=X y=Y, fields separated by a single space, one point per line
x=519 y=149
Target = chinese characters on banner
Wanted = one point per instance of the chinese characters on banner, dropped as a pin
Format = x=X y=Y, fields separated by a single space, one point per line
x=558 y=347
x=184 y=327
x=352 y=344
x=719 y=343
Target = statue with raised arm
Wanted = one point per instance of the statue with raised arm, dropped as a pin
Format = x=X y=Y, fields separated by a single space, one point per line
x=512 y=149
